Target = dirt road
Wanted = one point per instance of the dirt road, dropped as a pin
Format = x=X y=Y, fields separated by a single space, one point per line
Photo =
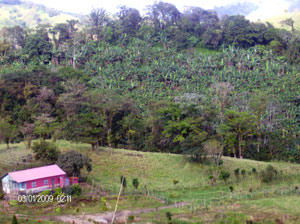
x=105 y=218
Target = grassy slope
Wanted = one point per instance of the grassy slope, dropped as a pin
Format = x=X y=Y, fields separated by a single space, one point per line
x=11 y=15
x=157 y=171
x=277 y=19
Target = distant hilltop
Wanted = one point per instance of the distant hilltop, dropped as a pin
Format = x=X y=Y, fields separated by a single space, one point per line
x=28 y=14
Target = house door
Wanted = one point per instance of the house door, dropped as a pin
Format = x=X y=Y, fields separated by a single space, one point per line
x=52 y=182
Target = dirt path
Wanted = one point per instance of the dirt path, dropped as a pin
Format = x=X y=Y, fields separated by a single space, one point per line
x=105 y=218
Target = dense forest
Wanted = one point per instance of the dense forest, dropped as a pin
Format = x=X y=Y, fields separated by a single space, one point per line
x=182 y=82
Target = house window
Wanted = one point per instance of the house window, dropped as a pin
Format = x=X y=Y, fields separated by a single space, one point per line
x=46 y=182
x=33 y=184
x=23 y=185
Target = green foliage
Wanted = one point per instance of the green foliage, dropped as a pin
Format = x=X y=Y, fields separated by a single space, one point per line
x=72 y=162
x=76 y=190
x=123 y=181
x=7 y=131
x=45 y=151
x=169 y=216
x=135 y=183
x=14 y=220
x=57 y=191
x=224 y=175
x=58 y=210
x=175 y=182
x=231 y=188
x=46 y=192
x=131 y=218
x=13 y=202
x=269 y=174
x=243 y=172
x=154 y=85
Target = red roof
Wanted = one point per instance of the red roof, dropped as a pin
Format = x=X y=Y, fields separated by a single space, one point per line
x=36 y=173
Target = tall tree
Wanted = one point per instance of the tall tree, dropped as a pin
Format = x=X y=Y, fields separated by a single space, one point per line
x=236 y=128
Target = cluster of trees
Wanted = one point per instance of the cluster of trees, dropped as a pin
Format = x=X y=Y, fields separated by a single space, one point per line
x=164 y=25
x=124 y=82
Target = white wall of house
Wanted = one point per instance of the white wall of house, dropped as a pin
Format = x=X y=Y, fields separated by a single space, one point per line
x=8 y=184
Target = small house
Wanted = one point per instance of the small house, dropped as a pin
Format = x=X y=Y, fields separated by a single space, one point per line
x=35 y=180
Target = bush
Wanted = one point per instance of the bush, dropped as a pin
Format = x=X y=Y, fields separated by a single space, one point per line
x=14 y=220
x=45 y=151
x=13 y=202
x=237 y=173
x=76 y=190
x=254 y=170
x=46 y=192
x=268 y=174
x=135 y=183
x=58 y=209
x=175 y=182
x=169 y=216
x=131 y=218
x=224 y=175
x=72 y=162
x=57 y=191
x=243 y=172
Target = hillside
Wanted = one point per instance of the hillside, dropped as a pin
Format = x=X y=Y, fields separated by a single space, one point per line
x=156 y=173
x=277 y=19
x=27 y=14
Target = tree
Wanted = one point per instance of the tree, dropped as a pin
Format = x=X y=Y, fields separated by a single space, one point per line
x=130 y=19
x=98 y=18
x=214 y=150
x=46 y=151
x=72 y=162
x=163 y=15
x=8 y=131
x=27 y=130
x=258 y=104
x=37 y=47
x=289 y=22
x=73 y=98
x=237 y=31
x=237 y=126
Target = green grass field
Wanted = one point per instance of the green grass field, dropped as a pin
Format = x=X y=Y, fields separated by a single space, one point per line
x=157 y=171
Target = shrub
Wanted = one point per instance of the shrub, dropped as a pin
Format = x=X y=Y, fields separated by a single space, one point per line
x=169 y=216
x=254 y=170
x=231 y=188
x=135 y=183
x=46 y=192
x=131 y=218
x=237 y=173
x=104 y=203
x=14 y=220
x=76 y=190
x=58 y=209
x=57 y=191
x=243 y=172
x=175 y=182
x=45 y=151
x=224 y=175
x=13 y=202
x=72 y=162
x=268 y=174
